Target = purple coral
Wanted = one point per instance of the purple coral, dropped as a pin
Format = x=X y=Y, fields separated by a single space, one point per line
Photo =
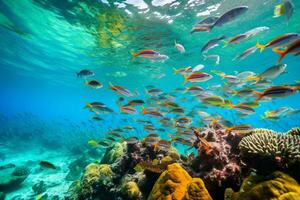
x=218 y=162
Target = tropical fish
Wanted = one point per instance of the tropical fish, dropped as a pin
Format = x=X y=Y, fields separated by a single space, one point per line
x=242 y=127
x=294 y=48
x=198 y=68
x=236 y=39
x=104 y=144
x=194 y=90
x=246 y=53
x=147 y=53
x=154 y=92
x=270 y=73
x=183 y=71
x=93 y=143
x=277 y=92
x=244 y=92
x=162 y=145
x=212 y=43
x=215 y=58
x=242 y=108
x=256 y=31
x=97 y=118
x=213 y=100
x=197 y=77
x=128 y=110
x=47 y=164
x=120 y=90
x=284 y=9
x=94 y=84
x=279 y=41
x=135 y=102
x=171 y=104
x=229 y=16
x=176 y=110
x=132 y=140
x=151 y=112
x=204 y=25
x=179 y=47
x=85 y=73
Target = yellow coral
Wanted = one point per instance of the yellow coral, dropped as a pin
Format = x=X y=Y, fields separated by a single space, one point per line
x=196 y=190
x=95 y=174
x=277 y=186
x=131 y=190
x=176 y=184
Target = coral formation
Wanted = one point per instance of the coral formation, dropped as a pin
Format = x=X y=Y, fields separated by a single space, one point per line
x=283 y=149
x=131 y=190
x=112 y=153
x=95 y=176
x=218 y=162
x=176 y=183
x=197 y=190
x=277 y=186
x=171 y=184
x=294 y=131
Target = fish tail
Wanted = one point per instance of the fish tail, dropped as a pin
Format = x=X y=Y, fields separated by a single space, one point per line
x=185 y=79
x=234 y=93
x=226 y=44
x=253 y=78
x=133 y=54
x=175 y=70
x=258 y=95
x=110 y=84
x=260 y=46
x=144 y=111
x=282 y=53
x=88 y=105
x=175 y=42
x=186 y=90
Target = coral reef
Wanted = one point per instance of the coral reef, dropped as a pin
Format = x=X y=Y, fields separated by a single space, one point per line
x=95 y=176
x=176 y=183
x=112 y=153
x=277 y=186
x=218 y=162
x=269 y=151
x=131 y=190
x=197 y=190
x=294 y=131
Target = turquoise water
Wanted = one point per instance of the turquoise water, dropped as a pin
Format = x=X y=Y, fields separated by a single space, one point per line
x=44 y=43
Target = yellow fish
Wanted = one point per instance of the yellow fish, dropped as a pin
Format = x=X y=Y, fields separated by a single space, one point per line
x=93 y=143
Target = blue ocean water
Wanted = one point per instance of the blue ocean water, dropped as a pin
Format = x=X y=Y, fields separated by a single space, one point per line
x=44 y=43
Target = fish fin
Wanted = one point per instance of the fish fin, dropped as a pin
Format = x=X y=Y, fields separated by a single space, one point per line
x=260 y=46
x=171 y=136
x=282 y=53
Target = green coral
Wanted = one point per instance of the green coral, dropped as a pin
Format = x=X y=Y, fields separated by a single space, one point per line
x=131 y=190
x=277 y=186
x=115 y=151
x=95 y=175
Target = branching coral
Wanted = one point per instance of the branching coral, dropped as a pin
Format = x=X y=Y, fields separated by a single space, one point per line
x=294 y=131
